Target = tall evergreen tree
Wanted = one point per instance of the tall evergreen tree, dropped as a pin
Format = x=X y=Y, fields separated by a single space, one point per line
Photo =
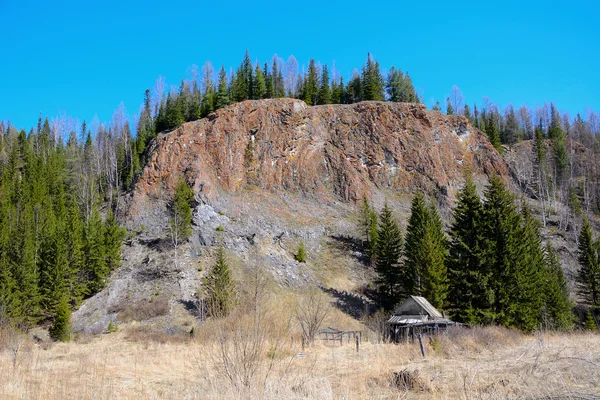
x=558 y=307
x=502 y=228
x=222 y=99
x=325 y=90
x=471 y=296
x=259 y=90
x=219 y=286
x=181 y=212
x=588 y=276
x=372 y=82
x=387 y=260
x=425 y=253
x=311 y=84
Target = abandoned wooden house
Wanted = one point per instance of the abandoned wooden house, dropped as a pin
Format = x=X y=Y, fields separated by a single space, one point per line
x=417 y=316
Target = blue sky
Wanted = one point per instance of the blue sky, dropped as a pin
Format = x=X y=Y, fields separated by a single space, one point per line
x=84 y=59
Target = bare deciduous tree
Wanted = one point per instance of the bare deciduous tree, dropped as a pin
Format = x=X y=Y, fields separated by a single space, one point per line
x=311 y=311
x=291 y=72
x=457 y=99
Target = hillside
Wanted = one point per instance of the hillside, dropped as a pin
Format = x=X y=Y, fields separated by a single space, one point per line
x=268 y=174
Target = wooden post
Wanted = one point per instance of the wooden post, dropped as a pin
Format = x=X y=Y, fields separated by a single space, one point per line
x=357 y=342
x=302 y=342
x=421 y=345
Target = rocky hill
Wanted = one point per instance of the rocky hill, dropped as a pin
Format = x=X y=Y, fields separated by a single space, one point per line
x=268 y=174
x=335 y=152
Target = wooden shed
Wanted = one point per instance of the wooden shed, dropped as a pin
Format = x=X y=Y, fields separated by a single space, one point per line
x=417 y=316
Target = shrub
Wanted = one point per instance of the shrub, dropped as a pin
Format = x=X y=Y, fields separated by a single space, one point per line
x=301 y=253
x=112 y=327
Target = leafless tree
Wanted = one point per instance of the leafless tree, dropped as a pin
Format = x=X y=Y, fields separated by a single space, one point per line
x=207 y=77
x=158 y=92
x=291 y=71
x=457 y=99
x=311 y=311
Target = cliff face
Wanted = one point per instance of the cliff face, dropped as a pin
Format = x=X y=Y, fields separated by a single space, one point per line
x=334 y=151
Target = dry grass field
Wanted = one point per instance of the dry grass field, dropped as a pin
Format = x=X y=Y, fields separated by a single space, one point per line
x=225 y=361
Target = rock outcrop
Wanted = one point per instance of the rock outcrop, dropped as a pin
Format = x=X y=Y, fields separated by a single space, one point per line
x=338 y=152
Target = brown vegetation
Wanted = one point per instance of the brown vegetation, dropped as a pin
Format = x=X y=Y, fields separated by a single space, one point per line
x=256 y=352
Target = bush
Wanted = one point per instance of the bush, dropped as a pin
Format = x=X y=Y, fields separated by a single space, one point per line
x=301 y=253
x=143 y=310
x=112 y=327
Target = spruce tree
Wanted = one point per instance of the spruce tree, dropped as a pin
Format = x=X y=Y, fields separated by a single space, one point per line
x=413 y=245
x=95 y=270
x=502 y=229
x=310 y=89
x=558 y=306
x=425 y=252
x=387 y=260
x=471 y=296
x=61 y=328
x=588 y=276
x=325 y=90
x=259 y=90
x=222 y=92
x=372 y=82
x=113 y=236
x=219 y=286
x=530 y=271
x=181 y=212
x=368 y=226
x=449 y=108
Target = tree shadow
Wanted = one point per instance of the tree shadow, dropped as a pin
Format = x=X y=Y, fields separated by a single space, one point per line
x=195 y=308
x=158 y=244
x=351 y=304
x=348 y=244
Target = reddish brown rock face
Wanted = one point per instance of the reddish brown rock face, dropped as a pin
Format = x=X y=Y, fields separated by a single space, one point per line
x=334 y=151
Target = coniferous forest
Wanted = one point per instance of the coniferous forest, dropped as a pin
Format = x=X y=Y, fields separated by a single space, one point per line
x=60 y=184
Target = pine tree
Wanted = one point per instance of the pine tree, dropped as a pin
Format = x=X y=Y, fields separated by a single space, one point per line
x=325 y=90
x=113 y=236
x=530 y=271
x=61 y=328
x=301 y=253
x=413 y=245
x=588 y=276
x=222 y=92
x=502 y=229
x=75 y=254
x=337 y=91
x=387 y=260
x=449 y=108
x=181 y=212
x=425 y=252
x=491 y=130
x=219 y=286
x=372 y=81
x=368 y=225
x=259 y=90
x=95 y=270
x=557 y=303
x=470 y=297
x=590 y=324
x=310 y=89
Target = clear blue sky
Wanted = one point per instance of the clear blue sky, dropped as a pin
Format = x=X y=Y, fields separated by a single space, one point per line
x=86 y=57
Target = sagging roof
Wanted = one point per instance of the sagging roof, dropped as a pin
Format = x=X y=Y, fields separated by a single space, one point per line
x=431 y=310
x=414 y=310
